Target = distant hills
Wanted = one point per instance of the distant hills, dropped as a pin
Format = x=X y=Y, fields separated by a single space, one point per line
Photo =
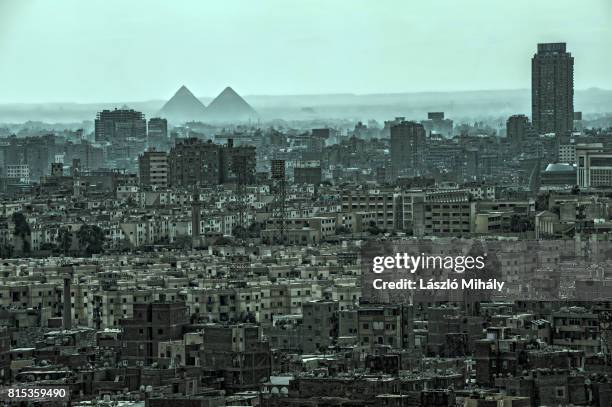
x=457 y=105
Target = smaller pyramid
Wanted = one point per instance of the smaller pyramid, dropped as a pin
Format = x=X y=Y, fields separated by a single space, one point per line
x=229 y=106
x=183 y=107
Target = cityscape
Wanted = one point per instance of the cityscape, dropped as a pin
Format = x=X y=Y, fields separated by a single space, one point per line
x=393 y=249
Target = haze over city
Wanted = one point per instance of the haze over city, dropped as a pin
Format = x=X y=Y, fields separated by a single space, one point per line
x=306 y=203
x=116 y=51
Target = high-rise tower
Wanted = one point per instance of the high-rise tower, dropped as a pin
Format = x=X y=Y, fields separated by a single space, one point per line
x=407 y=148
x=120 y=124
x=552 y=89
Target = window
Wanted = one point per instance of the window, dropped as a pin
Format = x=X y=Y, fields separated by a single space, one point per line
x=560 y=392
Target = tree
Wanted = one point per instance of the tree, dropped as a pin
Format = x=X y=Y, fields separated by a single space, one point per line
x=342 y=230
x=520 y=223
x=249 y=318
x=48 y=247
x=91 y=239
x=123 y=245
x=542 y=202
x=373 y=229
x=222 y=241
x=183 y=242
x=131 y=202
x=21 y=224
x=239 y=232
x=255 y=229
x=6 y=251
x=22 y=231
x=64 y=240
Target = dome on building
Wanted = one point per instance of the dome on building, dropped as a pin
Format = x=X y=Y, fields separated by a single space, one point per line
x=559 y=167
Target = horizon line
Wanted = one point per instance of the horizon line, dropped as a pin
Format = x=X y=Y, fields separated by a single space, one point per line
x=293 y=95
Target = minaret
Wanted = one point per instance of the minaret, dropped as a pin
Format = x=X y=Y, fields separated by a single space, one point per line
x=67 y=298
x=67 y=312
x=195 y=219
x=279 y=210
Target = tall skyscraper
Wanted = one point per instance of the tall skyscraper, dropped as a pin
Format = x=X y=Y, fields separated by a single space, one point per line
x=120 y=124
x=552 y=89
x=407 y=148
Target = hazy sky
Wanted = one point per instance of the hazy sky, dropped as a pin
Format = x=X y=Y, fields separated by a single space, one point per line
x=110 y=50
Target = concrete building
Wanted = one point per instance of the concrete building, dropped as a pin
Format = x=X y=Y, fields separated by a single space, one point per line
x=546 y=224
x=153 y=169
x=89 y=156
x=20 y=172
x=444 y=218
x=558 y=177
x=157 y=132
x=576 y=328
x=407 y=148
x=568 y=147
x=436 y=124
x=594 y=166
x=385 y=325
x=517 y=130
x=239 y=352
x=383 y=203
x=552 y=89
x=194 y=162
x=320 y=325
x=307 y=172
x=119 y=125
x=237 y=164
x=152 y=323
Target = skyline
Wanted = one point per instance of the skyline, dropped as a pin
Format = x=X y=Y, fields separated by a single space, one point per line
x=359 y=52
x=197 y=197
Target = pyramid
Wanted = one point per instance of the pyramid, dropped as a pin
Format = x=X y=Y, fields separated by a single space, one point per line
x=229 y=107
x=183 y=107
